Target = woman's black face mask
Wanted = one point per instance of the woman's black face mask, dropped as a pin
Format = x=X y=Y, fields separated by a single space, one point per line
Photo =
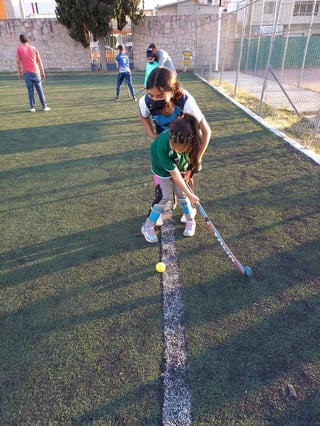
x=155 y=105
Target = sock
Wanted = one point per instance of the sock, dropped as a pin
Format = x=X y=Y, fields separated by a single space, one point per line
x=186 y=208
x=153 y=216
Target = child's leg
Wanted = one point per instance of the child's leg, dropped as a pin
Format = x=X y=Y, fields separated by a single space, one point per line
x=129 y=83
x=188 y=211
x=162 y=196
x=184 y=203
x=194 y=211
x=119 y=82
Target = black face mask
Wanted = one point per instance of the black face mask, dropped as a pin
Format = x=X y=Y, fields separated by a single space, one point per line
x=155 y=105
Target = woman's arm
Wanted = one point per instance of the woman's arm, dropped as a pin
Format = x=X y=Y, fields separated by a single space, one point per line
x=205 y=137
x=146 y=122
x=178 y=180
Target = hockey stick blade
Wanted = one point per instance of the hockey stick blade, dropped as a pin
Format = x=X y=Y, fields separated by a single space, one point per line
x=245 y=270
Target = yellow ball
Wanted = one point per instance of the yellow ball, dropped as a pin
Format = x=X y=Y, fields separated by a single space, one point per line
x=160 y=267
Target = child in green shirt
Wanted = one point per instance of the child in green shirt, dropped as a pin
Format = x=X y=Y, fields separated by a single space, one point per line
x=174 y=157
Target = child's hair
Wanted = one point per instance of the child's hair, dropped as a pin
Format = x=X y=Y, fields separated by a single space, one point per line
x=150 y=55
x=120 y=47
x=166 y=81
x=184 y=132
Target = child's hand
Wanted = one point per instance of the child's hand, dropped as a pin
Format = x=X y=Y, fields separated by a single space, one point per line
x=194 y=200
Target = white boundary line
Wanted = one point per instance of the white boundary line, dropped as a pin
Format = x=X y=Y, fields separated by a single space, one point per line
x=307 y=152
x=176 y=409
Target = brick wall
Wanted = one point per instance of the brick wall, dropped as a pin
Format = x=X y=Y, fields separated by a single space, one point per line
x=176 y=33
x=57 y=49
x=60 y=52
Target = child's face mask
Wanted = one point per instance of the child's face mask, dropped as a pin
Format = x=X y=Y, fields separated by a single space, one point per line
x=159 y=104
x=158 y=99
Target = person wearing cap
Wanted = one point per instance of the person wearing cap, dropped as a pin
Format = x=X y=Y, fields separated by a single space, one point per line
x=164 y=59
x=30 y=68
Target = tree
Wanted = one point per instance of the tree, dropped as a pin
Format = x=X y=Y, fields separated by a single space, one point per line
x=83 y=17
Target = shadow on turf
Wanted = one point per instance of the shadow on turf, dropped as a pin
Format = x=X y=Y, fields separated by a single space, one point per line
x=73 y=250
x=254 y=337
x=62 y=135
x=247 y=373
x=42 y=326
x=117 y=411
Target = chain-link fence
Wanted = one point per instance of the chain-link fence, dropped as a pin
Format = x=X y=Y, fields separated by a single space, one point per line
x=266 y=54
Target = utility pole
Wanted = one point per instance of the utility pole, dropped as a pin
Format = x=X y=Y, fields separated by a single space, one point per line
x=218 y=36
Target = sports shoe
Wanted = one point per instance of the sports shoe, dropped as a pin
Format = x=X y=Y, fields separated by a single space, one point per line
x=46 y=108
x=149 y=234
x=116 y=98
x=32 y=110
x=134 y=99
x=190 y=228
x=184 y=217
x=159 y=222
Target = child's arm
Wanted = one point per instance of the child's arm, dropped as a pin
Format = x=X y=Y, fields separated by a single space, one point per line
x=178 y=179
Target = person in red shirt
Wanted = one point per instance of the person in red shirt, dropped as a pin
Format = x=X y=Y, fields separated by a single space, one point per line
x=30 y=68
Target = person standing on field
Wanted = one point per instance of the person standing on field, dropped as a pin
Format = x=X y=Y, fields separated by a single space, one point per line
x=124 y=72
x=164 y=59
x=152 y=63
x=30 y=68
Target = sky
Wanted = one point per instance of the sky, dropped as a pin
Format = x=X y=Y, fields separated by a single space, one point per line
x=151 y=4
x=48 y=6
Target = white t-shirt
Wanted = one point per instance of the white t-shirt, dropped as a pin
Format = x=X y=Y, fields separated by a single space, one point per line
x=186 y=103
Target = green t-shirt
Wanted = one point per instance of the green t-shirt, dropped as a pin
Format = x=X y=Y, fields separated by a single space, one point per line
x=164 y=159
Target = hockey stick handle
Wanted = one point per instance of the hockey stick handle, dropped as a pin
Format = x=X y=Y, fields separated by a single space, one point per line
x=139 y=91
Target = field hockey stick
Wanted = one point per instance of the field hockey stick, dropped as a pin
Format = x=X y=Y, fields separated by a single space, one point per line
x=137 y=93
x=245 y=270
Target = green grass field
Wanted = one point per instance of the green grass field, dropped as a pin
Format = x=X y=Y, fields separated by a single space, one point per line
x=81 y=306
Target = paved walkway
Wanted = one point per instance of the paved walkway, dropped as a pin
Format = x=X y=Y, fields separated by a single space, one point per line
x=305 y=101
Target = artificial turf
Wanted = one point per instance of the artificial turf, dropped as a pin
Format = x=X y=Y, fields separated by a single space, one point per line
x=81 y=315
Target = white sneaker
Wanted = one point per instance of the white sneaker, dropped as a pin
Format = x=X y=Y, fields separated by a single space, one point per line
x=149 y=234
x=46 y=109
x=32 y=110
x=159 y=222
x=190 y=228
x=184 y=217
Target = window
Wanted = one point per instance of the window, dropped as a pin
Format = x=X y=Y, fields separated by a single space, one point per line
x=304 y=8
x=268 y=8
